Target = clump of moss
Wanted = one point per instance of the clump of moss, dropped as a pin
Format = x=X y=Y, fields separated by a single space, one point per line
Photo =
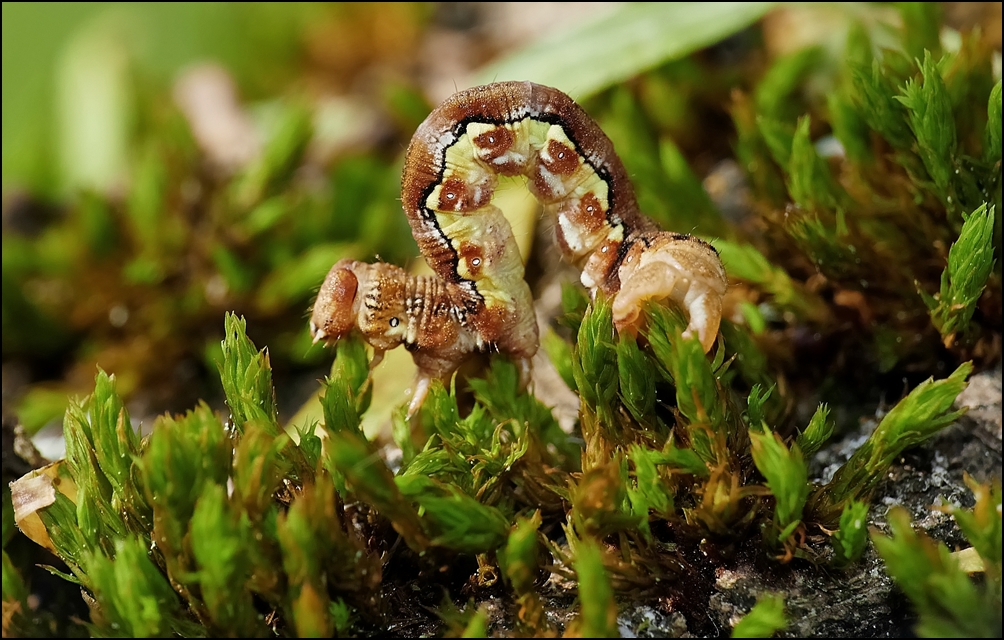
x=877 y=201
x=948 y=602
x=866 y=181
x=208 y=526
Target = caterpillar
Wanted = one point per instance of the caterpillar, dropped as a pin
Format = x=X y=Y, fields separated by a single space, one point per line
x=450 y=174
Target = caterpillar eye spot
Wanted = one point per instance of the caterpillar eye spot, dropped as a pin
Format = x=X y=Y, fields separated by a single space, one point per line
x=394 y=322
x=476 y=262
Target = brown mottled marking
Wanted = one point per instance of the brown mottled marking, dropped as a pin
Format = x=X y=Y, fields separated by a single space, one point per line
x=560 y=159
x=492 y=144
x=587 y=213
x=456 y=196
x=473 y=256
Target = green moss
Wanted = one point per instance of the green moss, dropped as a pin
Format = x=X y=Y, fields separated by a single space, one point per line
x=970 y=261
x=948 y=602
x=850 y=539
x=764 y=620
x=219 y=549
x=599 y=611
x=926 y=410
x=786 y=476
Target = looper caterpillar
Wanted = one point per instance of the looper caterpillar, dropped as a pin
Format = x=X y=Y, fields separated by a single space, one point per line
x=479 y=299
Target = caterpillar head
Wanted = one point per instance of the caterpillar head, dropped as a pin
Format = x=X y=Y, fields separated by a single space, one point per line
x=371 y=298
x=337 y=304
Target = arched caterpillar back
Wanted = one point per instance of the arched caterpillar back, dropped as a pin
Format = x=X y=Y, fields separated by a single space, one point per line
x=450 y=175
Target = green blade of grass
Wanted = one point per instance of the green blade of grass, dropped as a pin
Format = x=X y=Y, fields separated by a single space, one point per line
x=625 y=42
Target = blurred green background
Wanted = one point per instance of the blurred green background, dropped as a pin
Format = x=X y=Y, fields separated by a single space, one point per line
x=129 y=228
x=43 y=44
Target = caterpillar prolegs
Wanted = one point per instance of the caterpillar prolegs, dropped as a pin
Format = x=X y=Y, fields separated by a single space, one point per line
x=478 y=299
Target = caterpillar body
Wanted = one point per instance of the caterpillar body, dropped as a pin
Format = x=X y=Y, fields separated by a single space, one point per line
x=450 y=175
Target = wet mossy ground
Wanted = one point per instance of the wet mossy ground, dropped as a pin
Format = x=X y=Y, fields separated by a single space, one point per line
x=853 y=188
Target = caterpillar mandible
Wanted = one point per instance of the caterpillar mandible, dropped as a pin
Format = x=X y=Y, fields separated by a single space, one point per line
x=451 y=170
